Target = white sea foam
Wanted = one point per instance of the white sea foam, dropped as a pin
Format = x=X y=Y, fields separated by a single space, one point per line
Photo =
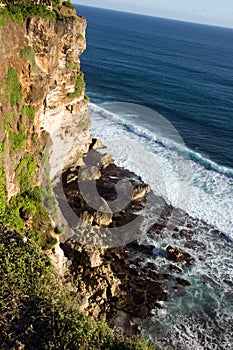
x=184 y=178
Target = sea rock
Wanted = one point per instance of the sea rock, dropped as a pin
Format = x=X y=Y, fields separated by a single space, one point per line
x=107 y=279
x=176 y=254
x=183 y=282
x=140 y=192
x=175 y=268
x=96 y=144
x=140 y=247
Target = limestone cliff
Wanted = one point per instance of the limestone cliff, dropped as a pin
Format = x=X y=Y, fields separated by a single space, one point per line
x=42 y=94
x=43 y=103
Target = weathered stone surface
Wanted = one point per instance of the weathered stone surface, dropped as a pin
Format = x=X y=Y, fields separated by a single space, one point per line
x=60 y=121
x=106 y=279
x=177 y=254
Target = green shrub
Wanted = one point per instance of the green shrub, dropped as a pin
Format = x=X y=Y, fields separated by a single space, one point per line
x=81 y=37
x=14 y=87
x=29 y=112
x=58 y=230
x=28 y=54
x=70 y=65
x=67 y=4
x=79 y=86
x=17 y=140
x=86 y=97
x=4 y=15
x=9 y=118
x=38 y=313
x=24 y=172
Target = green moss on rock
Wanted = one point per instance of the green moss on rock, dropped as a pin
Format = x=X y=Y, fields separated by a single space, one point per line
x=28 y=54
x=79 y=86
x=14 y=87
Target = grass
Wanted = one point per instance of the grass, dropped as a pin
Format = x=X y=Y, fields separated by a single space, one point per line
x=24 y=172
x=14 y=87
x=35 y=310
x=27 y=208
x=28 y=54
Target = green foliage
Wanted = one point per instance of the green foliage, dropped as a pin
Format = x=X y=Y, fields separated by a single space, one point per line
x=29 y=112
x=4 y=15
x=12 y=216
x=2 y=149
x=2 y=191
x=58 y=230
x=70 y=65
x=24 y=172
x=81 y=37
x=29 y=206
x=86 y=97
x=35 y=310
x=50 y=242
x=14 y=87
x=79 y=86
x=28 y=54
x=19 y=10
x=68 y=4
x=9 y=118
x=17 y=140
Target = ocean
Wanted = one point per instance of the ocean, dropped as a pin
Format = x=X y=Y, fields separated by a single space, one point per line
x=161 y=101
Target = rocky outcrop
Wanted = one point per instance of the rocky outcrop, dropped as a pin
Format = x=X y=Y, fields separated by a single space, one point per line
x=44 y=110
x=108 y=280
x=42 y=93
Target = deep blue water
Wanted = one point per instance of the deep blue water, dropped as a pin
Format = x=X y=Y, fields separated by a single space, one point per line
x=182 y=70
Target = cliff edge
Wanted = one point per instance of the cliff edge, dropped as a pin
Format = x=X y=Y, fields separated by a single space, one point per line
x=42 y=100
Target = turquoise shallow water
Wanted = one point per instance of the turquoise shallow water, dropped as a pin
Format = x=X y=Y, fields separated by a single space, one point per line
x=184 y=72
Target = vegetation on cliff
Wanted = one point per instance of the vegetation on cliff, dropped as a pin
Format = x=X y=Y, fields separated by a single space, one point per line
x=19 y=10
x=35 y=311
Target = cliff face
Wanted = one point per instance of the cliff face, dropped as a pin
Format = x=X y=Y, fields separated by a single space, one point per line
x=42 y=94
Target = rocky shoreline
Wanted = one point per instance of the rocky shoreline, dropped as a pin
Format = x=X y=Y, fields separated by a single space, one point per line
x=115 y=277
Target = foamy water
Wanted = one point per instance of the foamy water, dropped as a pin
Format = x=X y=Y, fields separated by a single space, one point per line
x=198 y=317
x=184 y=178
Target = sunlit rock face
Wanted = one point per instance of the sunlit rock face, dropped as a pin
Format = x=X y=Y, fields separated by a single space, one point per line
x=49 y=84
